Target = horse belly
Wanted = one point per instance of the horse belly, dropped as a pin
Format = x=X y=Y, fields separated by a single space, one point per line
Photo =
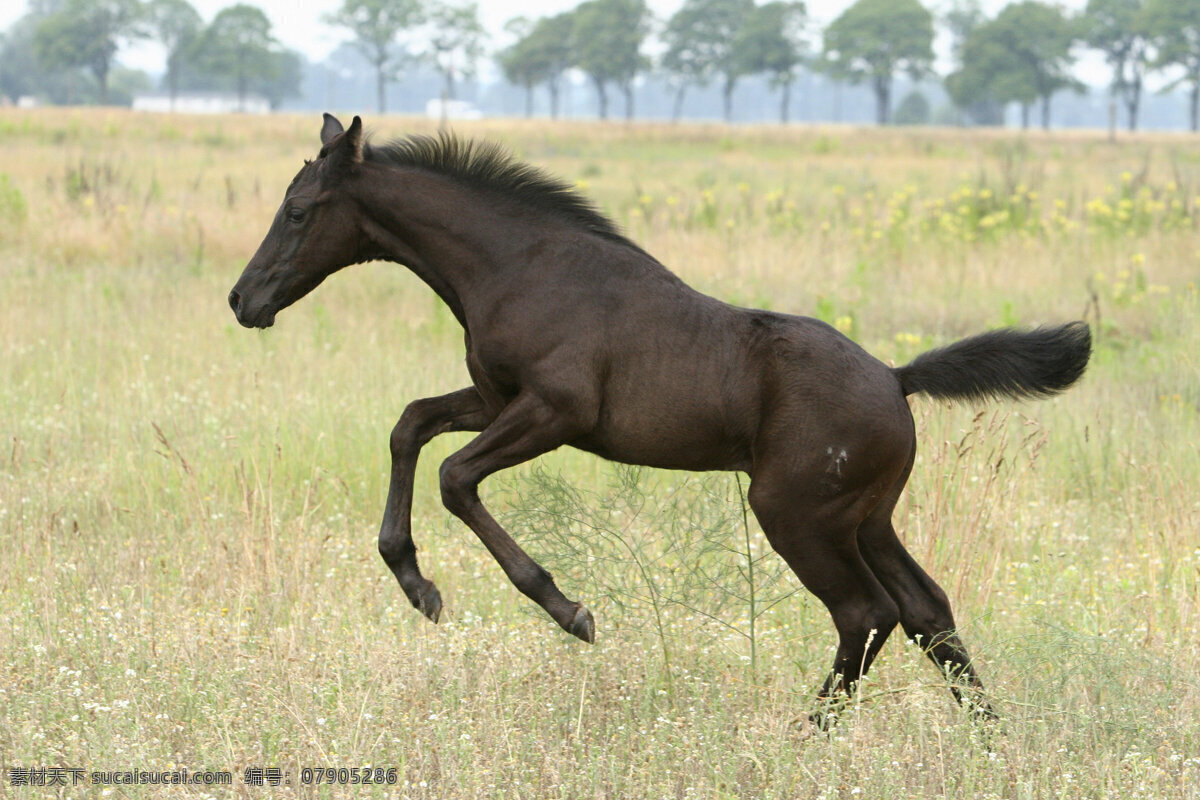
x=671 y=435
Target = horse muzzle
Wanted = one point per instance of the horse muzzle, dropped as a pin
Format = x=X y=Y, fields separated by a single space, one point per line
x=261 y=317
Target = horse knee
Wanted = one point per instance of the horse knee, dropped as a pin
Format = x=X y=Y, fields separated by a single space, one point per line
x=407 y=433
x=458 y=487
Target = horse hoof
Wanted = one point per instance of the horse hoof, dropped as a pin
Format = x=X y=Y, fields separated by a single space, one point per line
x=825 y=718
x=821 y=722
x=430 y=603
x=584 y=626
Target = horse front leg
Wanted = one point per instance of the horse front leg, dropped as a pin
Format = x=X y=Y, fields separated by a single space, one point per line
x=421 y=421
x=526 y=428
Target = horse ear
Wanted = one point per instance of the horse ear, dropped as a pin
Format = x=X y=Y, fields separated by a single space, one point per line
x=330 y=129
x=345 y=148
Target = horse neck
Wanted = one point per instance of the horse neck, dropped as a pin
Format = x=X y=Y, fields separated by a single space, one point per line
x=451 y=237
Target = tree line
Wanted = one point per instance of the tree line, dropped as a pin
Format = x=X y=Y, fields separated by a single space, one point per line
x=65 y=50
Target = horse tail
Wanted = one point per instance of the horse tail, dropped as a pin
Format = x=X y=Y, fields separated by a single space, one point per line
x=1001 y=363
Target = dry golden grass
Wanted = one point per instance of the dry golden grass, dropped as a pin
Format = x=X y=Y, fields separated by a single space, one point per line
x=188 y=509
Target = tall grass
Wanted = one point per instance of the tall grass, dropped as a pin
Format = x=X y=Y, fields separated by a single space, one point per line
x=188 y=509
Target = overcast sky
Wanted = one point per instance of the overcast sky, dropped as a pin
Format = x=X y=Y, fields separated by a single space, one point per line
x=298 y=22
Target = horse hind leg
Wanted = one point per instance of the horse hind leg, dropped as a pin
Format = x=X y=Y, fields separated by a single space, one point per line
x=816 y=537
x=525 y=429
x=925 y=613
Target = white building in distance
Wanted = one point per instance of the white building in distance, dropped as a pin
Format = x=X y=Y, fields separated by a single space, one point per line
x=201 y=103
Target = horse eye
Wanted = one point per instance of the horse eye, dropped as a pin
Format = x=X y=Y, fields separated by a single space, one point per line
x=295 y=214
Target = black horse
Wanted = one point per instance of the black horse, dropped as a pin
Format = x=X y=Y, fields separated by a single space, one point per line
x=576 y=336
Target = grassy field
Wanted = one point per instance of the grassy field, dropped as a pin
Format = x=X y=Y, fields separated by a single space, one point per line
x=188 y=510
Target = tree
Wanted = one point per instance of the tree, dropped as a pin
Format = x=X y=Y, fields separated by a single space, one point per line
x=700 y=40
x=517 y=61
x=961 y=19
x=972 y=87
x=456 y=42
x=11 y=77
x=238 y=47
x=607 y=38
x=541 y=54
x=1174 y=28
x=125 y=82
x=1040 y=37
x=376 y=25
x=1022 y=56
x=176 y=25
x=88 y=34
x=983 y=57
x=1117 y=28
x=769 y=42
x=913 y=110
x=875 y=39
x=282 y=78
x=21 y=72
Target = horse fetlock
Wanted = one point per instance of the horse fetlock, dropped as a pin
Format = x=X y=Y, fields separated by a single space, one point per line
x=396 y=550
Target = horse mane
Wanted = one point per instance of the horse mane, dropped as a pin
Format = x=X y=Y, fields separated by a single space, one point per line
x=490 y=167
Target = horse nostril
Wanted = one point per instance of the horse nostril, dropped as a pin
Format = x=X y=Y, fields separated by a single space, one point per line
x=235 y=301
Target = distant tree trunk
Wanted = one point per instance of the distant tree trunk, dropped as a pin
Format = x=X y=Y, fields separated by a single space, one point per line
x=1195 y=105
x=1112 y=113
x=677 y=106
x=172 y=80
x=883 y=98
x=1025 y=113
x=727 y=96
x=601 y=97
x=101 y=72
x=627 y=90
x=552 y=85
x=1116 y=93
x=1046 y=112
x=380 y=87
x=785 y=101
x=528 y=99
x=1133 y=102
x=241 y=84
